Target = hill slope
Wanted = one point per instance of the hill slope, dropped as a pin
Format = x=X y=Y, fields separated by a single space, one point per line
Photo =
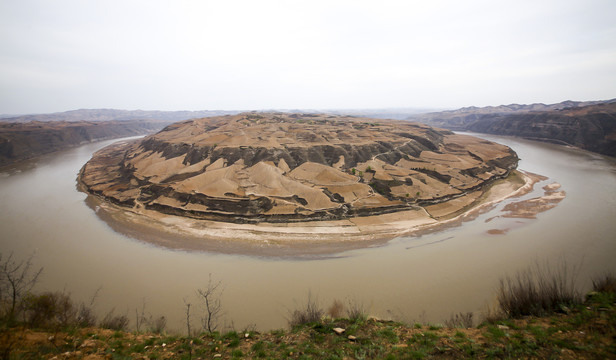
x=278 y=167
x=21 y=141
x=587 y=125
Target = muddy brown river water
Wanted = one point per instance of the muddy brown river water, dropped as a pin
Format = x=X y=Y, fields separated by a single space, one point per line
x=423 y=278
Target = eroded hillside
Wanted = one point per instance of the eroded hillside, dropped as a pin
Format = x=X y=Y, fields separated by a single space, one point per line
x=277 y=167
x=21 y=141
x=587 y=125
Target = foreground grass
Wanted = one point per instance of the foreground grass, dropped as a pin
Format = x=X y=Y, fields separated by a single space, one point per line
x=587 y=331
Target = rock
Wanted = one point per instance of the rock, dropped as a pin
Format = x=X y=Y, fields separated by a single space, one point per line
x=94 y=357
x=89 y=344
x=338 y=330
x=503 y=327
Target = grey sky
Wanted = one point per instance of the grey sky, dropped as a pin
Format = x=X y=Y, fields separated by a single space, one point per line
x=190 y=55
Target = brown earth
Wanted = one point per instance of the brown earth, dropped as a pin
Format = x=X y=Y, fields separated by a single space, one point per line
x=297 y=174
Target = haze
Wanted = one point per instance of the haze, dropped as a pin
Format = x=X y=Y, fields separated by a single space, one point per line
x=191 y=55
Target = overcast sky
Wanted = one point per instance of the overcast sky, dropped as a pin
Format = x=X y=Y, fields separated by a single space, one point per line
x=239 y=55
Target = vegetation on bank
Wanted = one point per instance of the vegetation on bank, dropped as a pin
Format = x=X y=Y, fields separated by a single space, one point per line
x=540 y=314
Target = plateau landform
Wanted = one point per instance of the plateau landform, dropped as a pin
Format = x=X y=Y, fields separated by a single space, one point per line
x=282 y=168
x=114 y=114
x=22 y=141
x=27 y=136
x=588 y=125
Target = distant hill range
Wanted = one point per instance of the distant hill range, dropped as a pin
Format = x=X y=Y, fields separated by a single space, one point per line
x=28 y=136
x=589 y=125
x=22 y=141
x=113 y=114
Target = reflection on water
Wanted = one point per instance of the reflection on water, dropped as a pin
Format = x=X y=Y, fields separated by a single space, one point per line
x=424 y=278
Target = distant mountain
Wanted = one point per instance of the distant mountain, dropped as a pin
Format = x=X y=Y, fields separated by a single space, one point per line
x=589 y=125
x=386 y=113
x=113 y=114
x=21 y=141
x=27 y=136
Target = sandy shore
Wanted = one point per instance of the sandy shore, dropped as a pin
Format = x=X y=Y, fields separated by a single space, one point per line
x=307 y=237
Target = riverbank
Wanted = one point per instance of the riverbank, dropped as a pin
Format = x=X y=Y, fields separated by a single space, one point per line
x=310 y=237
x=584 y=331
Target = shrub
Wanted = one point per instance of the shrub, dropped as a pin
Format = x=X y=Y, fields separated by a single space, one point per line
x=311 y=313
x=114 y=322
x=85 y=316
x=605 y=283
x=336 y=309
x=49 y=309
x=539 y=290
x=356 y=311
x=158 y=325
x=39 y=310
x=461 y=320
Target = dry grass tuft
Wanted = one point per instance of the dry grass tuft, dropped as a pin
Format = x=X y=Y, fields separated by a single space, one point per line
x=310 y=313
x=336 y=309
x=460 y=320
x=538 y=290
x=605 y=283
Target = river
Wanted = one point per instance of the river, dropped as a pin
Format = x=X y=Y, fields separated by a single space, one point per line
x=425 y=278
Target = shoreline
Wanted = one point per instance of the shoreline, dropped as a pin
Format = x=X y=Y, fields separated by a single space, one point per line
x=306 y=238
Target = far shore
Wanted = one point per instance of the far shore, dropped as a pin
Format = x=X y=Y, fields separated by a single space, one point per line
x=306 y=238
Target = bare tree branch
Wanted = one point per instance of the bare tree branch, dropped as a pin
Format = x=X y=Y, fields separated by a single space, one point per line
x=187 y=305
x=17 y=278
x=211 y=297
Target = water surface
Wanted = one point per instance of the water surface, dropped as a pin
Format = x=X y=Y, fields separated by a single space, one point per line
x=424 y=278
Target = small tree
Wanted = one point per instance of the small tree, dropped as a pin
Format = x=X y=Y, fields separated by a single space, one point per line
x=211 y=298
x=187 y=306
x=140 y=317
x=17 y=278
